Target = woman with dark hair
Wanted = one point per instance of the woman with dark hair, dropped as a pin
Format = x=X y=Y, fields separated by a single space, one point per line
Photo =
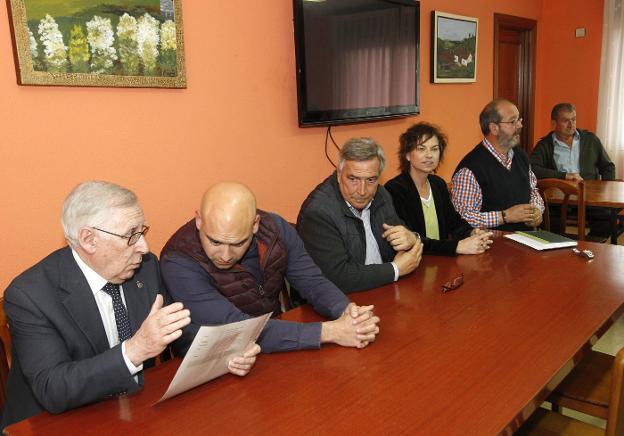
x=423 y=201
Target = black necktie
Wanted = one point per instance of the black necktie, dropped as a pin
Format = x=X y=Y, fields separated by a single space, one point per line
x=121 y=315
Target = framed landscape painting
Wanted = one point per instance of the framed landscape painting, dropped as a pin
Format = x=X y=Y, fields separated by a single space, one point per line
x=454 y=48
x=126 y=43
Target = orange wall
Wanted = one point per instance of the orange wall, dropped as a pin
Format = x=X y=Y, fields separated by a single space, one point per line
x=237 y=120
x=568 y=68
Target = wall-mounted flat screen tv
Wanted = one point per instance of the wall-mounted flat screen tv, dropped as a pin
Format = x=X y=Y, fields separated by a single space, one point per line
x=357 y=60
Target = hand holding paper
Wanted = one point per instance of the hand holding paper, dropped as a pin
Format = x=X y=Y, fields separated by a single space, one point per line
x=217 y=350
x=241 y=365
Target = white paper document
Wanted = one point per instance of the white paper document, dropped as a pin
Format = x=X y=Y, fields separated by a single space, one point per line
x=210 y=352
x=538 y=244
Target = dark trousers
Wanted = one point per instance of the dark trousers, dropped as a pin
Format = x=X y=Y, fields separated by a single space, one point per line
x=597 y=218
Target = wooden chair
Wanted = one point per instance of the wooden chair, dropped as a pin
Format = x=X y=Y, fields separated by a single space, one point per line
x=587 y=388
x=5 y=353
x=545 y=422
x=563 y=189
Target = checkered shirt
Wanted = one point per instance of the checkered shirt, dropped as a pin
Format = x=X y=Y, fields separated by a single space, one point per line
x=467 y=196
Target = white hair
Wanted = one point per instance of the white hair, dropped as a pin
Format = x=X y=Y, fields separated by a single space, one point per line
x=90 y=205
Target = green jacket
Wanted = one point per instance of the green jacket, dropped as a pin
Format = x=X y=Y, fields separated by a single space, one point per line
x=593 y=159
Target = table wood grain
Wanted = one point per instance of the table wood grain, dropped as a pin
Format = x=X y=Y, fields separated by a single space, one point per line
x=604 y=193
x=475 y=361
x=600 y=193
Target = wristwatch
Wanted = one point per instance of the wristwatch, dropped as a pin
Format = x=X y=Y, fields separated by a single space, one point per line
x=504 y=216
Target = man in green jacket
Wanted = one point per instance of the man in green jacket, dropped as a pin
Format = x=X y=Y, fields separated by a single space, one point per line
x=570 y=153
x=573 y=154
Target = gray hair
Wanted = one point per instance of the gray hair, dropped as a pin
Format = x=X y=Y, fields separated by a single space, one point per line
x=90 y=204
x=561 y=107
x=490 y=114
x=361 y=149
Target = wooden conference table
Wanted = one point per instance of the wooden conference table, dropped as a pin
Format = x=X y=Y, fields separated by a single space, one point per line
x=607 y=194
x=474 y=361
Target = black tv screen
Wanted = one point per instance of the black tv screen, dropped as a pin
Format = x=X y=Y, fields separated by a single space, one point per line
x=357 y=60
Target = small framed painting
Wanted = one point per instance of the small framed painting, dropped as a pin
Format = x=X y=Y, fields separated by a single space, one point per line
x=453 y=48
x=118 y=43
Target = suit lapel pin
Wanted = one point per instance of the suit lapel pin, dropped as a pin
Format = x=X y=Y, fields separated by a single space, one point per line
x=139 y=284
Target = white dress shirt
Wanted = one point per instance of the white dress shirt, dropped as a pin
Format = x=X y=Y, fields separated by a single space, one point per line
x=105 y=306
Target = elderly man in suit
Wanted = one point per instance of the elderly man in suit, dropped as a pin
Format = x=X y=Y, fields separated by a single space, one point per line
x=86 y=320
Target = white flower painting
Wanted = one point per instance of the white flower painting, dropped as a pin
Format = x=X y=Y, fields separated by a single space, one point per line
x=138 y=38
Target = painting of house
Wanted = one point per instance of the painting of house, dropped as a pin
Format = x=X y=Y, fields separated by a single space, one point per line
x=454 y=48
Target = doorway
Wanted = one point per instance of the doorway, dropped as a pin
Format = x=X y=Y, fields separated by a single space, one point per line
x=514 y=68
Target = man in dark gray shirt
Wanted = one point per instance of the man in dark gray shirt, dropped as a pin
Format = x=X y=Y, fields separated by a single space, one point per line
x=229 y=263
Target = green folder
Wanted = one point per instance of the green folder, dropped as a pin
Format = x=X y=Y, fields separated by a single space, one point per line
x=541 y=239
x=545 y=237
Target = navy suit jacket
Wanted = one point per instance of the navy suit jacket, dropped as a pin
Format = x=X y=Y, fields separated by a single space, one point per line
x=61 y=358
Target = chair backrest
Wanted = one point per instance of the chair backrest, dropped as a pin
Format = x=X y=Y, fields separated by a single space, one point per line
x=615 y=420
x=557 y=189
x=5 y=350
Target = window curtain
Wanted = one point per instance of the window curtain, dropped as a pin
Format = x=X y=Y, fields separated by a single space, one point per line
x=611 y=94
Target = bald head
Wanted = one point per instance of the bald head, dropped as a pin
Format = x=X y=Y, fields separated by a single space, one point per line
x=226 y=221
x=229 y=201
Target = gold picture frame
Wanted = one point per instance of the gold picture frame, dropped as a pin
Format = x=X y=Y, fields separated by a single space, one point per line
x=112 y=43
